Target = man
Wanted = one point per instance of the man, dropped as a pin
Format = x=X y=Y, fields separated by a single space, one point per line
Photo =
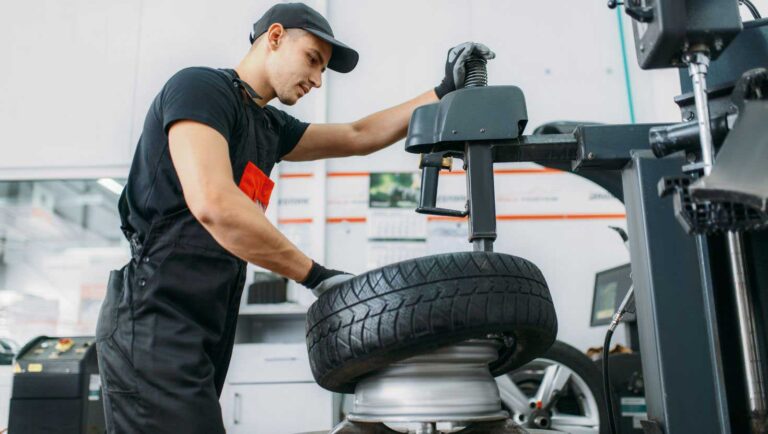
x=193 y=210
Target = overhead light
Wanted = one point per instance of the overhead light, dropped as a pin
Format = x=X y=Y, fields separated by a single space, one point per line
x=111 y=185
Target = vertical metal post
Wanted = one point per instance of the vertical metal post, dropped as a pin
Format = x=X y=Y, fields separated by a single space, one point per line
x=712 y=334
x=698 y=65
x=480 y=194
x=747 y=331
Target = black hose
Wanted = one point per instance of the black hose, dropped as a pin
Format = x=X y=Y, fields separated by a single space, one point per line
x=607 y=383
x=752 y=9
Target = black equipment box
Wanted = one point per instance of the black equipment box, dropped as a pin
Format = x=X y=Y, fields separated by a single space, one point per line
x=665 y=29
x=56 y=388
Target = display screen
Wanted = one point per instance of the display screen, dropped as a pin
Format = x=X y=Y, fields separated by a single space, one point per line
x=610 y=288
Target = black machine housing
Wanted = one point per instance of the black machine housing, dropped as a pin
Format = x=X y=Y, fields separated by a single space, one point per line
x=56 y=388
x=665 y=29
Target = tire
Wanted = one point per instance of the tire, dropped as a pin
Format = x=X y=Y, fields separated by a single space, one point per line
x=576 y=401
x=413 y=307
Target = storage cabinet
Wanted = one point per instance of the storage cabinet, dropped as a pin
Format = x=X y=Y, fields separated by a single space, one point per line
x=284 y=408
x=270 y=389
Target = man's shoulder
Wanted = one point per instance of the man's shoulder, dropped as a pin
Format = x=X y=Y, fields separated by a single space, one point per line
x=200 y=76
x=278 y=114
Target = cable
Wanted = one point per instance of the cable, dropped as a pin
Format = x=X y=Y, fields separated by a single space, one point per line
x=628 y=297
x=606 y=348
x=607 y=383
x=752 y=9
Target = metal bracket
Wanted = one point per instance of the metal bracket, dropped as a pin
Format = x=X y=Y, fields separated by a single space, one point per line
x=431 y=165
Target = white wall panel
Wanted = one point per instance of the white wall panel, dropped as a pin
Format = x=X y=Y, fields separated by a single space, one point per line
x=178 y=34
x=66 y=82
x=567 y=69
x=564 y=55
x=402 y=46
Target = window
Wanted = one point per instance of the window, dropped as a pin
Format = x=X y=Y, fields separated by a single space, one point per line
x=58 y=241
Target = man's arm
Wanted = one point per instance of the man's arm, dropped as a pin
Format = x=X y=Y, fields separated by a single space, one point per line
x=384 y=128
x=362 y=137
x=201 y=159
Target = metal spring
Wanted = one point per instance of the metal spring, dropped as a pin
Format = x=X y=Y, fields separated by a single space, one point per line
x=477 y=74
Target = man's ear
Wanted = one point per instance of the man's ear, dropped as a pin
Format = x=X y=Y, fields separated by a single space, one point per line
x=275 y=35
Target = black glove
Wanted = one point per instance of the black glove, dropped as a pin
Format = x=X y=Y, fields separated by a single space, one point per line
x=455 y=71
x=321 y=279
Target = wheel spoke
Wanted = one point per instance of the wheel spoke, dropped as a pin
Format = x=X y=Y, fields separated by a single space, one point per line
x=566 y=422
x=511 y=395
x=555 y=378
x=572 y=429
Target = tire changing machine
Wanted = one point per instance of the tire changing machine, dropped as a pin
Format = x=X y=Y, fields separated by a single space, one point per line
x=451 y=388
x=696 y=195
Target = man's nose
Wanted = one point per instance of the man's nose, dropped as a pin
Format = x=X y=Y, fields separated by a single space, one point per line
x=316 y=79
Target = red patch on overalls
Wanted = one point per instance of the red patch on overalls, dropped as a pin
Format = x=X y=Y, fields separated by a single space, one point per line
x=256 y=185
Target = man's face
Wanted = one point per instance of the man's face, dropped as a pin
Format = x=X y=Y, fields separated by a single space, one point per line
x=296 y=64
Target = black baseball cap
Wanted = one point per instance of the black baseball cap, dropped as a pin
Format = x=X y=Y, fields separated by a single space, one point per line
x=301 y=16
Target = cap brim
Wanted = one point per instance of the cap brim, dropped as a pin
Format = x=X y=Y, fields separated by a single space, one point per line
x=343 y=58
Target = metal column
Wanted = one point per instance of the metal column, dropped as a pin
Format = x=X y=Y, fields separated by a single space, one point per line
x=679 y=349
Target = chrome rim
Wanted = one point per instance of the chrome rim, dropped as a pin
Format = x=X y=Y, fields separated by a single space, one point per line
x=450 y=384
x=539 y=408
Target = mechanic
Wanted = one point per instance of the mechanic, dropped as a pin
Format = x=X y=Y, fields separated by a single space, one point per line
x=193 y=212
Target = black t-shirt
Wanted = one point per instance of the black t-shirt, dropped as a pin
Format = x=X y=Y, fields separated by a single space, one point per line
x=261 y=136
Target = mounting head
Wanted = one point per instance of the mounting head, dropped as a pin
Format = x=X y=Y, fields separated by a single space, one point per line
x=466 y=115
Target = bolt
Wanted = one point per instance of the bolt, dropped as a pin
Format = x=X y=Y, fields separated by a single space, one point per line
x=733 y=109
x=719 y=44
x=591 y=156
x=690 y=116
x=541 y=421
x=454 y=131
x=642 y=48
x=482 y=130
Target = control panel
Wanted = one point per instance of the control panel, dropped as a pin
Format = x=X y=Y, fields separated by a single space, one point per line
x=53 y=355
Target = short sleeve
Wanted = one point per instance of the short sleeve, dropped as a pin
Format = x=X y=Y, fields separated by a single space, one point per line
x=202 y=95
x=291 y=130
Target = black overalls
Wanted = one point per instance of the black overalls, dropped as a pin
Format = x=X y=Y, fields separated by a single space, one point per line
x=166 y=328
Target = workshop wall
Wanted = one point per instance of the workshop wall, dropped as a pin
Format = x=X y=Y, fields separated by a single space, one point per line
x=569 y=70
x=557 y=220
x=78 y=76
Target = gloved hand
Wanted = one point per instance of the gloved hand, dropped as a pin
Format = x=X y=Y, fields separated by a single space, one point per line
x=455 y=71
x=321 y=279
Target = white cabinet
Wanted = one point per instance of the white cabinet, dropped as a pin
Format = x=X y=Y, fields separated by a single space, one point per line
x=286 y=408
x=270 y=389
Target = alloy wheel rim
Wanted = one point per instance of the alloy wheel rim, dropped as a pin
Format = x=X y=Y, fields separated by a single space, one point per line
x=530 y=411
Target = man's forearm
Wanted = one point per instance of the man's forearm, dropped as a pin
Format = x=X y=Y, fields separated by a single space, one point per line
x=386 y=127
x=243 y=229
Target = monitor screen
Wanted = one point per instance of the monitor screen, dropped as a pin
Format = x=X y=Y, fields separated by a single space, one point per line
x=610 y=288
